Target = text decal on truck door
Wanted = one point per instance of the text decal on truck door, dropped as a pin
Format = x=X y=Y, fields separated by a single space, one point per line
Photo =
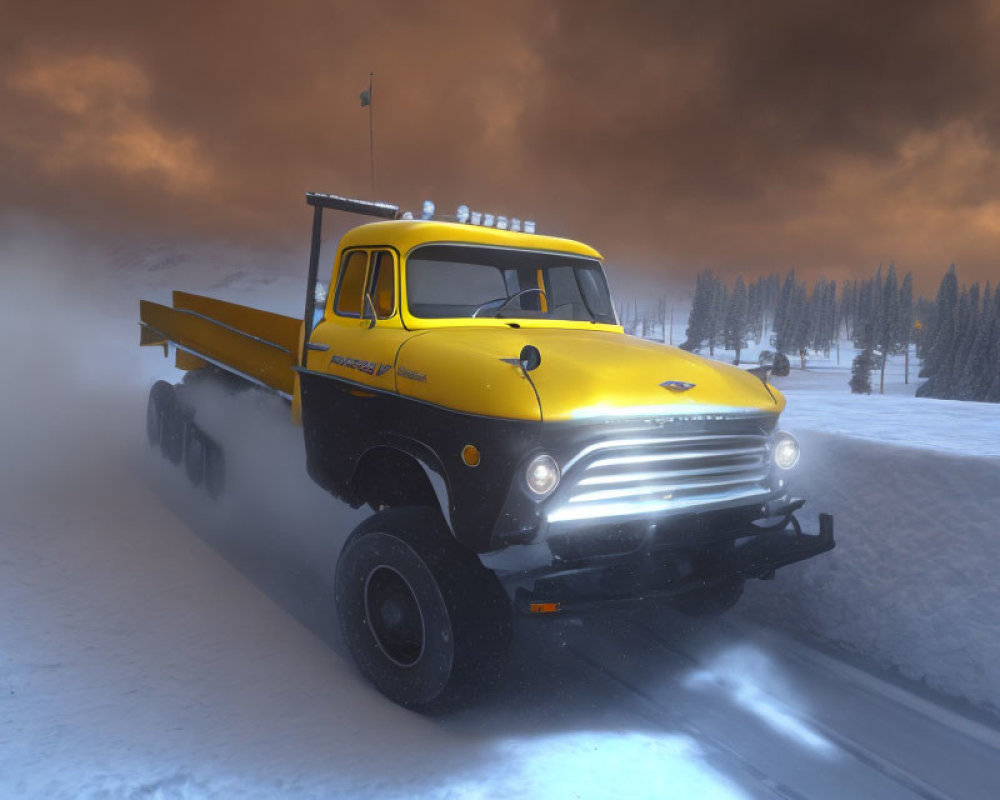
x=367 y=367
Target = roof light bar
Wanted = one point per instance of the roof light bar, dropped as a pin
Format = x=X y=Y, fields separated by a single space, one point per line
x=463 y=215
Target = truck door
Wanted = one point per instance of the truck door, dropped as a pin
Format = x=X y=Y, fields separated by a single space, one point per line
x=362 y=328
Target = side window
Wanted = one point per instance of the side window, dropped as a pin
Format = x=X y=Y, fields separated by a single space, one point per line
x=382 y=283
x=351 y=286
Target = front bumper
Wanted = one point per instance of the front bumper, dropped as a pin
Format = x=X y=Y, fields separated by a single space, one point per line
x=665 y=572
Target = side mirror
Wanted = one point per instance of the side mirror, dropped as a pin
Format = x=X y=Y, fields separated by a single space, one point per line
x=530 y=358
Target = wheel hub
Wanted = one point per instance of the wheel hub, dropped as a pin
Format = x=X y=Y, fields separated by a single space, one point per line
x=394 y=616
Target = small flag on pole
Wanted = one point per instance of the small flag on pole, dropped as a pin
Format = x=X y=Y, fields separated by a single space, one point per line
x=366 y=100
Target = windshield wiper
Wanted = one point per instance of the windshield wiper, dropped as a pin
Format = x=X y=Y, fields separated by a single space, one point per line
x=516 y=295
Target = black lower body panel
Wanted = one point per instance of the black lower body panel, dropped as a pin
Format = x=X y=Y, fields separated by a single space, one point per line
x=666 y=572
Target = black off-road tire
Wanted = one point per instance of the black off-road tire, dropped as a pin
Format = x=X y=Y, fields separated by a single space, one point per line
x=426 y=623
x=172 y=430
x=215 y=468
x=195 y=453
x=159 y=397
x=165 y=421
x=204 y=461
x=710 y=601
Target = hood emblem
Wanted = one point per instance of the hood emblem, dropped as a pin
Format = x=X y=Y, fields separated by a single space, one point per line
x=677 y=386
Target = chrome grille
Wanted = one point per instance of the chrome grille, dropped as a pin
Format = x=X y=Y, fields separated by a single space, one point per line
x=657 y=475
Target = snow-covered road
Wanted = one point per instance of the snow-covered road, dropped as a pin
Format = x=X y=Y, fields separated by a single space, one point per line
x=158 y=644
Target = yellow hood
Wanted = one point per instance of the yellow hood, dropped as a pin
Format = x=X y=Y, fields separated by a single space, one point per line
x=583 y=374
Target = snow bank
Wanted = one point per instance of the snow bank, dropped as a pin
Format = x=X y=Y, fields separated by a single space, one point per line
x=913 y=581
x=818 y=399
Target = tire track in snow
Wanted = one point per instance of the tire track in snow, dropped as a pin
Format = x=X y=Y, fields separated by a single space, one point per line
x=870 y=774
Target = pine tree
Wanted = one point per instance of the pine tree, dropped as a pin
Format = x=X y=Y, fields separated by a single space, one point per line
x=823 y=313
x=717 y=315
x=861 y=367
x=783 y=300
x=865 y=317
x=992 y=369
x=939 y=344
x=802 y=336
x=968 y=318
x=755 y=311
x=976 y=375
x=992 y=394
x=793 y=335
x=769 y=291
x=887 y=323
x=906 y=321
x=848 y=299
x=817 y=311
x=701 y=306
x=923 y=312
x=736 y=318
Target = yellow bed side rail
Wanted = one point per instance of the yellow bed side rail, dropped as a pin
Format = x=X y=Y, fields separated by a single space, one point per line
x=255 y=344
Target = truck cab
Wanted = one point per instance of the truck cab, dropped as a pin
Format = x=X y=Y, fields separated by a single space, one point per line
x=420 y=347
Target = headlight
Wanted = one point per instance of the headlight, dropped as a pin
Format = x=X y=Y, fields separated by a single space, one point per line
x=784 y=450
x=542 y=475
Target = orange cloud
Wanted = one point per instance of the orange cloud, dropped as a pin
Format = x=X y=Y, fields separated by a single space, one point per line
x=105 y=124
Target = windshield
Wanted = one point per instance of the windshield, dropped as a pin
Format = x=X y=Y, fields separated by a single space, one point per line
x=460 y=281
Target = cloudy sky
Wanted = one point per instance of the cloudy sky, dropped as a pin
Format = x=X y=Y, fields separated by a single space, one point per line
x=741 y=136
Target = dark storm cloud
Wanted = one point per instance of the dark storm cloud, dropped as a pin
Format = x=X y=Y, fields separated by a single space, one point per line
x=827 y=136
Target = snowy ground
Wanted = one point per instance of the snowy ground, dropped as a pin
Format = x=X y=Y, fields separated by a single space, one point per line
x=157 y=645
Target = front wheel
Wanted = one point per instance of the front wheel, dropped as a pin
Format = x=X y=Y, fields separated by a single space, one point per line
x=426 y=623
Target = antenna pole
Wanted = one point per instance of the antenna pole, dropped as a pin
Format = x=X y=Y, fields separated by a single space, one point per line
x=371 y=127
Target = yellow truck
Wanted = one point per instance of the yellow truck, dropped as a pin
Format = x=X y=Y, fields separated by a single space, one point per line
x=468 y=380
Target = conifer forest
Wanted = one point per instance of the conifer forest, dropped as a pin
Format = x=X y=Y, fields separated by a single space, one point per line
x=955 y=337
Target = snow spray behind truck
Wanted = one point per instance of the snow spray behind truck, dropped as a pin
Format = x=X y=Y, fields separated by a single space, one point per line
x=468 y=380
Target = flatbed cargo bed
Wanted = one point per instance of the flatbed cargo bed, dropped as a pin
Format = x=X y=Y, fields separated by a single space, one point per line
x=259 y=346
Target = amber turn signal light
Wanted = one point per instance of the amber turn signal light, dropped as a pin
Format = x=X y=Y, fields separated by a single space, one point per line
x=470 y=455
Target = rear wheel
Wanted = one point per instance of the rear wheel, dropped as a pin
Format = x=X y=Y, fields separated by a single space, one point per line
x=426 y=623
x=215 y=468
x=159 y=398
x=171 y=428
x=165 y=421
x=195 y=453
